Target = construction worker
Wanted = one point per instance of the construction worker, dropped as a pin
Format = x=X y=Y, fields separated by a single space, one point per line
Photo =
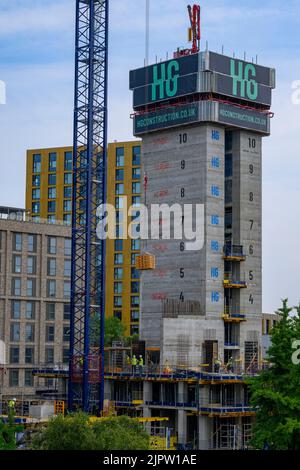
x=217 y=365
x=141 y=365
x=12 y=404
x=229 y=365
x=134 y=363
x=128 y=362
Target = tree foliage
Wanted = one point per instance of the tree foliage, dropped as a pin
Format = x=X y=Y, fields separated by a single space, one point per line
x=8 y=432
x=276 y=391
x=77 y=432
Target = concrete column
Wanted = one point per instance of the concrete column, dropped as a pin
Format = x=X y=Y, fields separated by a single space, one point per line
x=181 y=392
x=182 y=427
x=204 y=433
x=147 y=391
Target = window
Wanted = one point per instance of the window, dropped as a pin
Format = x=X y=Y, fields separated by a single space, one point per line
x=67 y=268
x=30 y=310
x=52 y=245
x=119 y=231
x=134 y=330
x=119 y=217
x=67 y=308
x=67 y=289
x=13 y=378
x=29 y=333
x=118 y=273
x=16 y=286
x=134 y=315
x=52 y=179
x=133 y=258
x=118 y=245
x=68 y=219
x=68 y=161
x=14 y=355
x=67 y=206
x=228 y=218
x=52 y=193
x=35 y=208
x=228 y=166
x=49 y=355
x=32 y=243
x=36 y=167
x=29 y=355
x=31 y=288
x=135 y=287
x=28 y=380
x=16 y=264
x=120 y=156
x=31 y=265
x=17 y=242
x=136 y=201
x=51 y=288
x=118 y=287
x=65 y=355
x=135 y=301
x=66 y=333
x=135 y=245
x=51 y=219
x=68 y=178
x=135 y=273
x=36 y=180
x=119 y=188
x=68 y=191
x=15 y=309
x=50 y=333
x=51 y=206
x=51 y=267
x=136 y=173
x=50 y=311
x=136 y=156
x=136 y=188
x=15 y=332
x=118 y=314
x=117 y=301
x=119 y=175
x=119 y=202
x=52 y=161
x=36 y=194
x=68 y=247
x=118 y=258
x=228 y=191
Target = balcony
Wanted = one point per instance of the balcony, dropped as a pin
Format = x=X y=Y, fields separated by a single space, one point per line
x=232 y=282
x=234 y=253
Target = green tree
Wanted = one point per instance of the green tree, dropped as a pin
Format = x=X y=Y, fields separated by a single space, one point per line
x=114 y=330
x=77 y=432
x=8 y=432
x=276 y=391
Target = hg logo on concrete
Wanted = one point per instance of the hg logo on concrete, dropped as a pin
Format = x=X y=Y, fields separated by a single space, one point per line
x=2 y=92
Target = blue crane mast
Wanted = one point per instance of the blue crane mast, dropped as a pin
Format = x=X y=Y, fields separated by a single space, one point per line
x=86 y=376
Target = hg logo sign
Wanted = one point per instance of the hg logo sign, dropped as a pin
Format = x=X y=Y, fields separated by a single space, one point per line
x=244 y=75
x=165 y=80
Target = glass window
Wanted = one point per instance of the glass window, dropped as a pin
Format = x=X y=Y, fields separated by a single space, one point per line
x=68 y=178
x=136 y=173
x=118 y=258
x=228 y=165
x=30 y=310
x=135 y=287
x=15 y=332
x=16 y=286
x=135 y=301
x=52 y=161
x=119 y=217
x=35 y=208
x=67 y=268
x=134 y=330
x=51 y=219
x=68 y=191
x=117 y=301
x=31 y=265
x=118 y=245
x=28 y=380
x=135 y=273
x=29 y=332
x=51 y=288
x=29 y=355
x=134 y=315
x=52 y=179
x=67 y=206
x=51 y=206
x=119 y=202
x=50 y=311
x=36 y=180
x=119 y=175
x=67 y=289
x=14 y=355
x=36 y=168
x=118 y=287
x=52 y=245
x=68 y=161
x=119 y=188
x=136 y=155
x=68 y=247
x=118 y=273
x=36 y=194
x=15 y=309
x=65 y=355
x=135 y=245
x=136 y=188
x=228 y=191
x=52 y=193
x=118 y=314
x=17 y=242
x=50 y=333
x=14 y=378
x=120 y=156
x=133 y=258
x=119 y=231
x=17 y=264
x=67 y=309
x=136 y=201
x=31 y=288
x=49 y=355
x=67 y=219
x=66 y=333
x=51 y=267
x=32 y=243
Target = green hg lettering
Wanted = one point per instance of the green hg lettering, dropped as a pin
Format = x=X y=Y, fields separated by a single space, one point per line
x=244 y=77
x=167 y=83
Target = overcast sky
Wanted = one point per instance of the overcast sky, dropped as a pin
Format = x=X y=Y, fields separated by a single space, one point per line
x=36 y=62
